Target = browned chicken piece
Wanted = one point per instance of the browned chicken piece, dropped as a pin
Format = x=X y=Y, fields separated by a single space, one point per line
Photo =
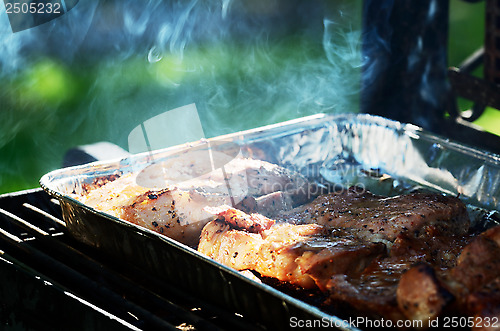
x=381 y=218
x=420 y=295
x=176 y=208
x=305 y=255
x=178 y=214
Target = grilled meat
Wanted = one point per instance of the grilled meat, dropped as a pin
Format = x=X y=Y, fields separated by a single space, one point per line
x=478 y=264
x=416 y=273
x=175 y=208
x=306 y=255
x=420 y=295
x=383 y=288
x=470 y=279
x=403 y=257
x=476 y=274
x=384 y=218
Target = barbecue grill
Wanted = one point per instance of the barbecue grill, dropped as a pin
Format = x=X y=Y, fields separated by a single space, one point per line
x=51 y=281
x=48 y=280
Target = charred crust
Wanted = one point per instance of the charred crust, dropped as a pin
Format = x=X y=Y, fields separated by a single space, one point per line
x=98 y=182
x=152 y=195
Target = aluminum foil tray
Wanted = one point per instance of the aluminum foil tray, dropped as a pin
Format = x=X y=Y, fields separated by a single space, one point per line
x=381 y=155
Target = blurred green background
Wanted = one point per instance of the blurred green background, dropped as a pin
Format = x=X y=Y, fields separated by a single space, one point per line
x=49 y=103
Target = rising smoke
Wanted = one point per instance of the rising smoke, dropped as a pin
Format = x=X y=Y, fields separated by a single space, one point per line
x=103 y=68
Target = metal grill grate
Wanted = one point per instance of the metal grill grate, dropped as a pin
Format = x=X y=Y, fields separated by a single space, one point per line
x=51 y=281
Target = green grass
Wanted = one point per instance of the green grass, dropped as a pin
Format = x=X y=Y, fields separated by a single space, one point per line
x=490 y=121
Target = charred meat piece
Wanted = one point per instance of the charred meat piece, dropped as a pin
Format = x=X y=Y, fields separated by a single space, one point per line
x=238 y=219
x=463 y=270
x=305 y=255
x=384 y=218
x=384 y=286
x=441 y=252
x=477 y=265
x=486 y=300
x=420 y=295
x=371 y=293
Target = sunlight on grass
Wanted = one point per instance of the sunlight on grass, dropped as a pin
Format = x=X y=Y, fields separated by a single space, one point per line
x=490 y=120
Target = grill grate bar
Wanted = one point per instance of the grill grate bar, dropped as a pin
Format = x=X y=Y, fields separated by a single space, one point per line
x=10 y=236
x=44 y=213
x=102 y=311
x=25 y=224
